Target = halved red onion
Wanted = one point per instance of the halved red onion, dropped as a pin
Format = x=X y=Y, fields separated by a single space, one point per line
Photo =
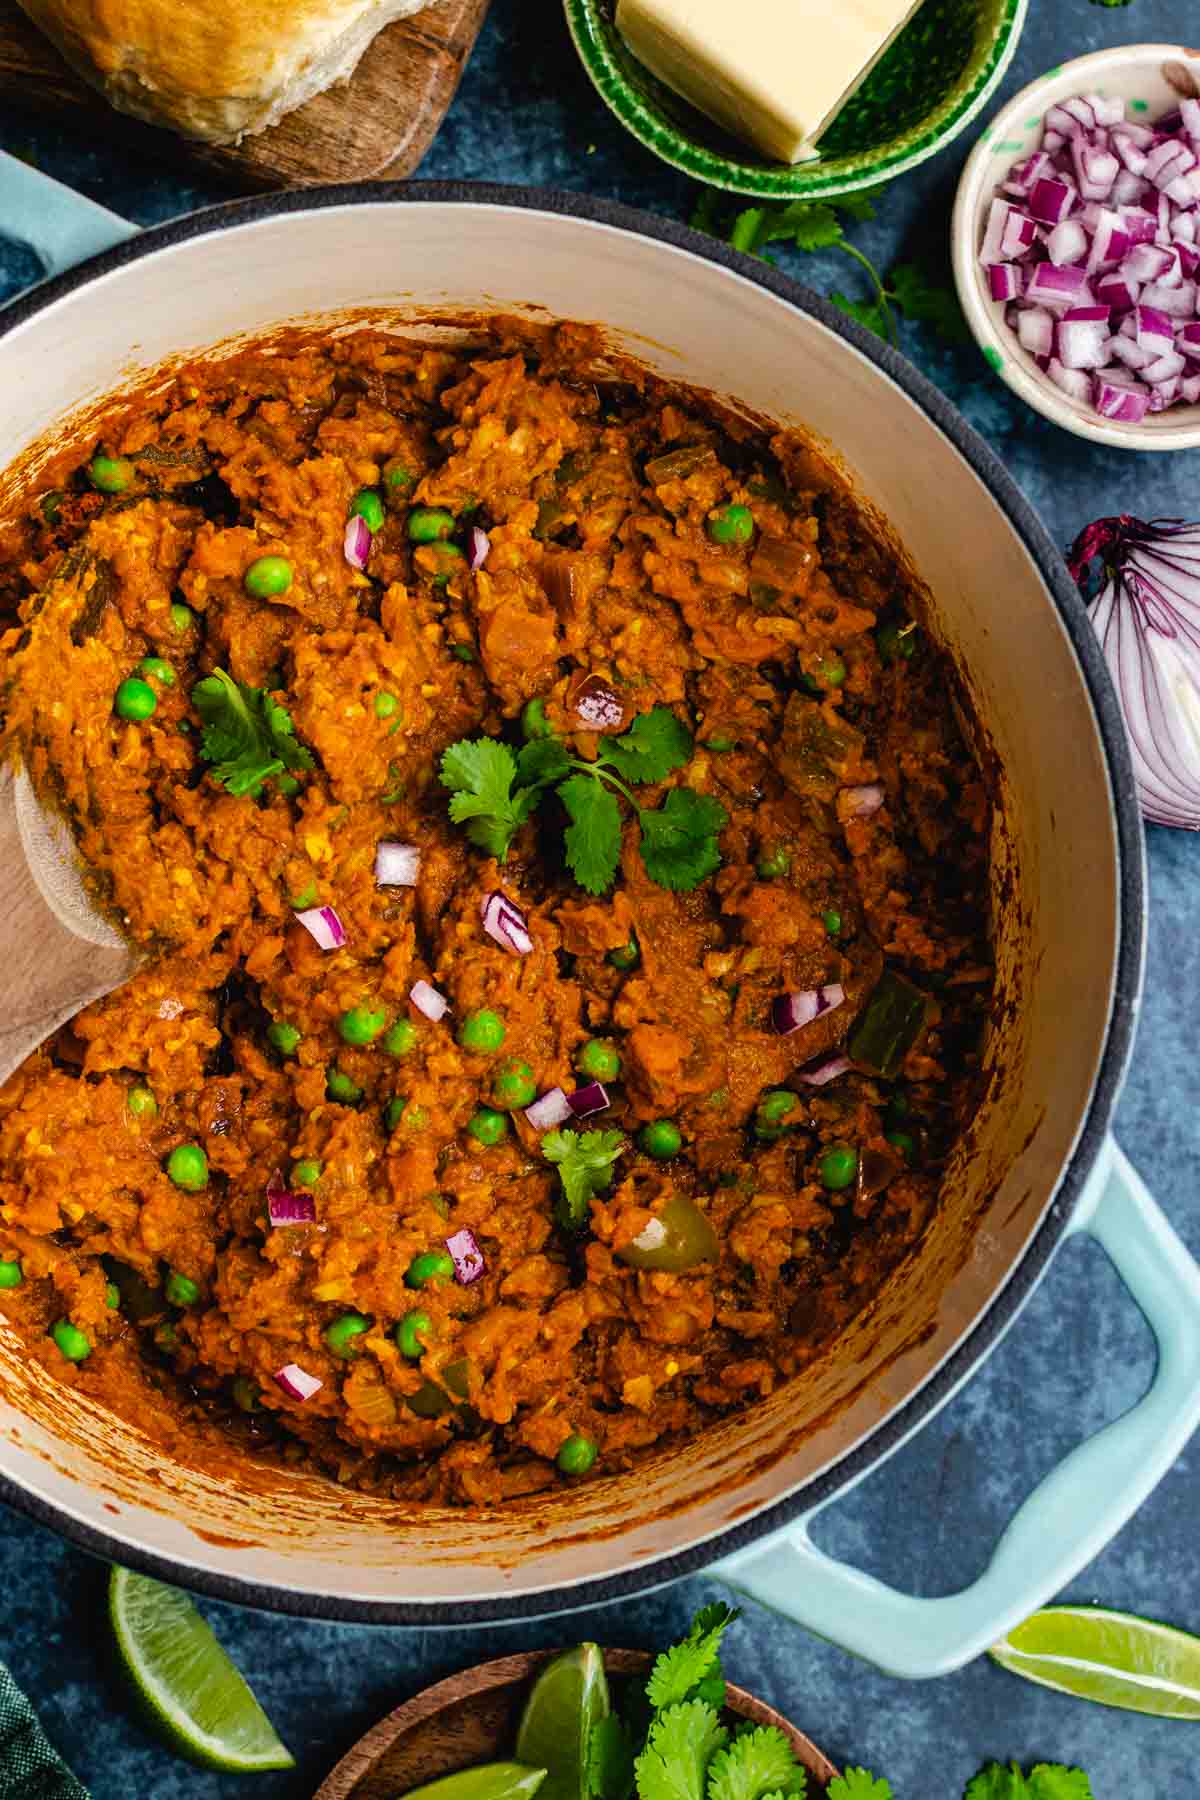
x=297 y=1383
x=825 y=1068
x=506 y=923
x=428 y=1001
x=589 y=1099
x=469 y=1261
x=549 y=1109
x=284 y=1208
x=481 y=543
x=356 y=544
x=323 y=926
x=862 y=802
x=789 y=1012
x=396 y=865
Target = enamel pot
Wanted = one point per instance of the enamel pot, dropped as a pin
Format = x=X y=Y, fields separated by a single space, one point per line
x=1037 y=1164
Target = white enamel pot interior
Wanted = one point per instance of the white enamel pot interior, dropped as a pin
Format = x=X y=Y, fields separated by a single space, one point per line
x=1068 y=832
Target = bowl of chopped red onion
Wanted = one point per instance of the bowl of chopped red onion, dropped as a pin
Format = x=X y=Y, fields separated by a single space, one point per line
x=1076 y=243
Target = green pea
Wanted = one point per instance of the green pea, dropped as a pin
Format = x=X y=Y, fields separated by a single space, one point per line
x=831 y=672
x=429 y=524
x=625 y=956
x=430 y=1268
x=141 y=1103
x=411 y=1333
x=773 y=866
x=166 y=1336
x=513 y=1084
x=187 y=1167
x=415 y=1118
x=10 y=1273
x=307 y=1172
x=305 y=898
x=286 y=1038
x=158 y=669
x=112 y=1296
x=600 y=1059
x=772 y=1113
x=660 y=1139
x=832 y=921
x=838 y=1167
x=267 y=577
x=401 y=1038
x=368 y=505
x=110 y=474
x=394 y=1111
x=464 y=652
x=482 y=1032
x=386 y=705
x=487 y=1126
x=245 y=1394
x=904 y=1142
x=577 y=1455
x=182 y=617
x=71 y=1341
x=51 y=506
x=135 y=699
x=732 y=525
x=342 y=1088
x=181 y=1290
x=721 y=743
x=399 y=477
x=362 y=1024
x=534 y=723
x=340 y=1335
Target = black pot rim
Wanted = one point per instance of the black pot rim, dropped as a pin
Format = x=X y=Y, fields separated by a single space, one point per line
x=992 y=1324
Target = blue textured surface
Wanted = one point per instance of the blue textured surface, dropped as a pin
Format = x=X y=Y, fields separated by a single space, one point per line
x=1081 y=1352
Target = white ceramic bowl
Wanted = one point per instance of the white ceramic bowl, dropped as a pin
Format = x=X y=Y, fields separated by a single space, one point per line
x=1153 y=77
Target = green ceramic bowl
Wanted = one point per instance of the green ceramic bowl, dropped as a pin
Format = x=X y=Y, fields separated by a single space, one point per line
x=929 y=86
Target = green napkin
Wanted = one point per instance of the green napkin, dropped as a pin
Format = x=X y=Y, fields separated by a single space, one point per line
x=29 y=1768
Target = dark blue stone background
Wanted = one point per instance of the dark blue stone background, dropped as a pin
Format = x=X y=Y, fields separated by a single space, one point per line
x=1080 y=1354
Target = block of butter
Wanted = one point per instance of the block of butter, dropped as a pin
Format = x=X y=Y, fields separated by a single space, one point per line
x=773 y=72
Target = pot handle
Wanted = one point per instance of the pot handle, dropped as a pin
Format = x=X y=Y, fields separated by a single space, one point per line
x=1067 y=1519
x=58 y=225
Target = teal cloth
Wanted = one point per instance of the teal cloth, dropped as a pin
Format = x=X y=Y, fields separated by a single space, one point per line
x=30 y=1769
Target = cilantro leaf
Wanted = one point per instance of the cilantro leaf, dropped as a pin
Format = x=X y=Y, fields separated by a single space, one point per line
x=593 y=839
x=679 y=841
x=871 y=313
x=858 y=1784
x=682 y=1739
x=541 y=762
x=247 y=736
x=480 y=773
x=610 y=1760
x=584 y=1168
x=681 y=1669
x=998 y=1783
x=928 y=302
x=861 y=206
x=1052 y=1781
x=656 y=744
x=756 y=1764
x=807 y=224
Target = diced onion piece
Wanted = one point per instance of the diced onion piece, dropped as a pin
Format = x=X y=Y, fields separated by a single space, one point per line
x=862 y=802
x=825 y=1069
x=469 y=1261
x=1119 y=401
x=284 y=1208
x=481 y=543
x=297 y=1383
x=1075 y=383
x=597 y=705
x=396 y=865
x=589 y=1099
x=357 y=542
x=1004 y=281
x=789 y=1012
x=428 y=1001
x=506 y=923
x=549 y=1109
x=1067 y=243
x=323 y=926
x=1083 y=338
x=1052 y=200
x=1035 y=328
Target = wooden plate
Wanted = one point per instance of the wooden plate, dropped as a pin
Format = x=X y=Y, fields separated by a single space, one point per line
x=472 y=1718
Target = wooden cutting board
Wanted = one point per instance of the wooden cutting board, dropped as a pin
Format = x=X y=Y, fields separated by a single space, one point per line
x=380 y=124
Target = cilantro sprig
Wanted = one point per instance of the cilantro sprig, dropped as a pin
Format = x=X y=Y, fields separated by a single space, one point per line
x=248 y=737
x=813 y=225
x=584 y=1168
x=493 y=792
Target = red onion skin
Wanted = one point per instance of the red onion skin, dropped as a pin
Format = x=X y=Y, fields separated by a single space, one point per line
x=323 y=926
x=296 y=1382
x=504 y=922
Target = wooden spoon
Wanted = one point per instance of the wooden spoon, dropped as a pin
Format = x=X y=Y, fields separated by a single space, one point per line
x=472 y=1718
x=62 y=953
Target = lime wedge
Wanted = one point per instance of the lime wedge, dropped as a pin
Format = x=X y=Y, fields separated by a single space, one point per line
x=194 y=1694
x=489 y=1781
x=568 y=1697
x=1109 y=1657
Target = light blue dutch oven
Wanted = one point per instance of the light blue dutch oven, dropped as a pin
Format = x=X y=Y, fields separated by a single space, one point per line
x=1038 y=1165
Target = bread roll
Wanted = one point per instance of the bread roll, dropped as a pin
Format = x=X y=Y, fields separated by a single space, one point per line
x=214 y=69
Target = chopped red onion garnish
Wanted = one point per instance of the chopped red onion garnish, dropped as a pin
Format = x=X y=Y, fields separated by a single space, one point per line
x=284 y=1208
x=297 y=1383
x=396 y=865
x=862 y=802
x=591 y=1098
x=481 y=543
x=826 y=1068
x=790 y=1011
x=1100 y=228
x=357 y=542
x=469 y=1263
x=428 y=1001
x=1147 y=617
x=323 y=926
x=549 y=1109
x=598 y=706
x=506 y=923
